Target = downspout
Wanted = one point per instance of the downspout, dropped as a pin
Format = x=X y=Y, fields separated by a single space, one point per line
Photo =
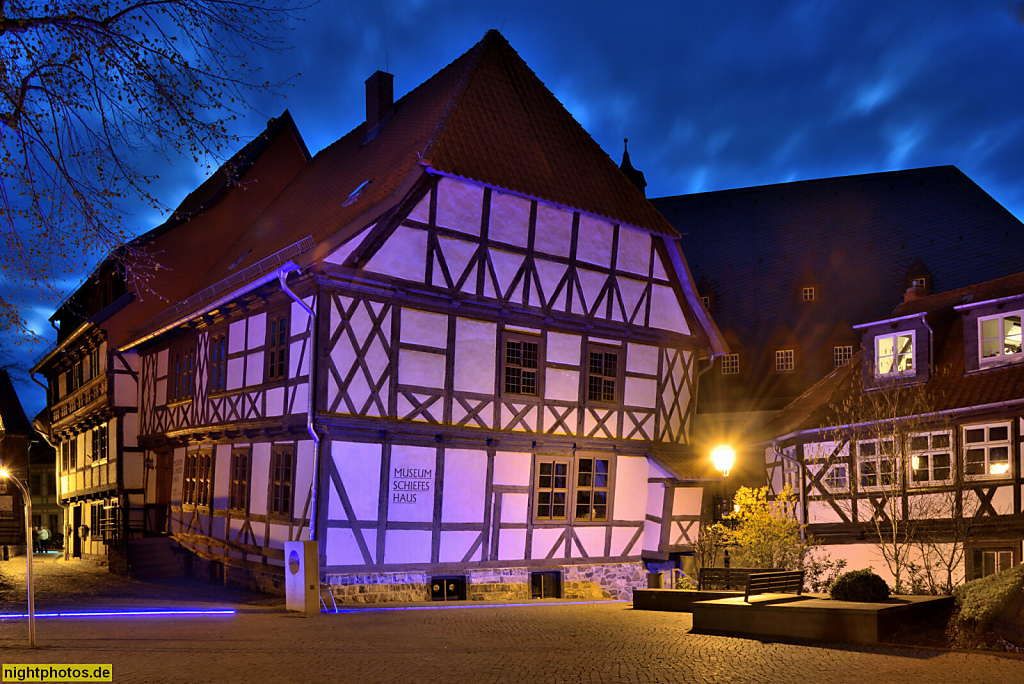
x=803 y=484
x=282 y=276
x=48 y=436
x=931 y=346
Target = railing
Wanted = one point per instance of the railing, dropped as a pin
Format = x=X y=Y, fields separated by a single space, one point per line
x=79 y=398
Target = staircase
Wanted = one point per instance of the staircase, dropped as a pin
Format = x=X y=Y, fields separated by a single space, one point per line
x=153 y=558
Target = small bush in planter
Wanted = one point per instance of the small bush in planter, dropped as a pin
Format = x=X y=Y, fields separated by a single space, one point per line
x=860 y=585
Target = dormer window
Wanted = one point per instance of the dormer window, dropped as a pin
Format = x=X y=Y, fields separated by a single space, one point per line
x=808 y=293
x=706 y=300
x=919 y=282
x=999 y=336
x=731 y=364
x=894 y=354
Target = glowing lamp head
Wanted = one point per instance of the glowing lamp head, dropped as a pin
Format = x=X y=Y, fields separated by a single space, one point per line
x=4 y=472
x=723 y=456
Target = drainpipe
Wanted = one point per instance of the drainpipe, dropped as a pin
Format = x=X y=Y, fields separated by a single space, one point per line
x=48 y=436
x=803 y=484
x=282 y=276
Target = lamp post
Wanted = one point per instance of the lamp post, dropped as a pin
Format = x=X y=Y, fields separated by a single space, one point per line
x=724 y=456
x=4 y=473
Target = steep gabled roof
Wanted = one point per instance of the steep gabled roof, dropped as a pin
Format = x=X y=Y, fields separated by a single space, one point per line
x=485 y=117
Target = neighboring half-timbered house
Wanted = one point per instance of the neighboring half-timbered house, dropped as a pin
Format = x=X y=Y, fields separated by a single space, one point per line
x=942 y=459
x=460 y=344
x=112 y=496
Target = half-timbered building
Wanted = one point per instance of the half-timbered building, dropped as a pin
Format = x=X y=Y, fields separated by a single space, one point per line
x=952 y=368
x=115 y=500
x=460 y=344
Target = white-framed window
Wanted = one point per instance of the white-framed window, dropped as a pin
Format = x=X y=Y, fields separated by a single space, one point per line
x=523 y=364
x=875 y=464
x=931 y=459
x=990 y=560
x=999 y=336
x=841 y=353
x=919 y=282
x=894 y=354
x=706 y=300
x=731 y=364
x=785 y=360
x=986 y=450
x=807 y=293
x=837 y=479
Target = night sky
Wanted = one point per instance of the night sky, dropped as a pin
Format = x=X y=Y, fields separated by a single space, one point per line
x=712 y=94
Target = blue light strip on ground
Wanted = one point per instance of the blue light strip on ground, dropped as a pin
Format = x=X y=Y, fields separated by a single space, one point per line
x=465 y=606
x=119 y=613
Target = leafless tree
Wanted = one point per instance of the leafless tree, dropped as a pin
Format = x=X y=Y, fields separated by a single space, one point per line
x=88 y=87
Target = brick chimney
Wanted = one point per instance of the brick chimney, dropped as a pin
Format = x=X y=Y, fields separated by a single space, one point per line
x=914 y=292
x=380 y=97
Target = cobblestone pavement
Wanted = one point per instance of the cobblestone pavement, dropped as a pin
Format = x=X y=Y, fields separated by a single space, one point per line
x=552 y=642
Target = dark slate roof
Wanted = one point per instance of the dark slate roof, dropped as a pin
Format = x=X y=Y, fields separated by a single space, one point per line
x=485 y=117
x=15 y=421
x=949 y=388
x=859 y=236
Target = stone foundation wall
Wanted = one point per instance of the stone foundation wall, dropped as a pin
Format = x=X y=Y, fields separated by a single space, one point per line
x=579 y=582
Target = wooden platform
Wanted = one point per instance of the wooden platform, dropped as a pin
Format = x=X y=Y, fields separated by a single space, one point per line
x=812 y=617
x=677 y=600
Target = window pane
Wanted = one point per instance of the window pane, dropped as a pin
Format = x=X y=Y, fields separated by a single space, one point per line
x=974 y=462
x=1011 y=335
x=940 y=441
x=919 y=443
x=998 y=434
x=885 y=346
x=990 y=329
x=974 y=436
x=529 y=354
x=867 y=448
x=512 y=353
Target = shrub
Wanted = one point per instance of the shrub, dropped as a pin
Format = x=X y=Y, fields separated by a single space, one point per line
x=981 y=601
x=860 y=585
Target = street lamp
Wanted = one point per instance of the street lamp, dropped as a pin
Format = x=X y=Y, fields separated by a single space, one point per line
x=724 y=456
x=6 y=474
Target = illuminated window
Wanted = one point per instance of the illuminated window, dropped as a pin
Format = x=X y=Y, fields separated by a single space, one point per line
x=999 y=336
x=706 y=301
x=876 y=464
x=931 y=459
x=986 y=450
x=277 y=347
x=282 y=482
x=919 y=282
x=807 y=293
x=894 y=354
x=841 y=353
x=218 y=361
x=522 y=365
x=602 y=374
x=195 y=489
x=731 y=364
x=785 y=360
x=99 y=443
x=592 y=489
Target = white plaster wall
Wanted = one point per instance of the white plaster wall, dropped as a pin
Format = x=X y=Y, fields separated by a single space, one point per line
x=456 y=544
x=131 y=470
x=300 y=319
x=221 y=475
x=254 y=368
x=642 y=358
x=421 y=212
x=687 y=500
x=591 y=539
x=465 y=481
x=342 y=548
x=563 y=348
x=509 y=219
x=126 y=389
x=514 y=507
x=511 y=544
x=475 y=356
x=419 y=458
x=403 y=255
x=595 y=241
x=358 y=464
x=236 y=336
x=634 y=251
x=339 y=255
x=458 y=205
x=821 y=512
x=561 y=385
x=275 y=401
x=621 y=537
x=130 y=430
x=554 y=230
x=666 y=313
x=305 y=453
x=424 y=328
x=641 y=392
x=511 y=468
x=256 y=333
x=421 y=368
x=407 y=546
x=260 y=477
x=544 y=539
x=629 y=501
x=235 y=376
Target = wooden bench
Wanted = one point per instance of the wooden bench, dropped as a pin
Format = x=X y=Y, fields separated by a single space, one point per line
x=722 y=578
x=775 y=581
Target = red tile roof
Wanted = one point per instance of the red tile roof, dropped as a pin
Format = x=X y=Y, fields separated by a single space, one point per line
x=485 y=117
